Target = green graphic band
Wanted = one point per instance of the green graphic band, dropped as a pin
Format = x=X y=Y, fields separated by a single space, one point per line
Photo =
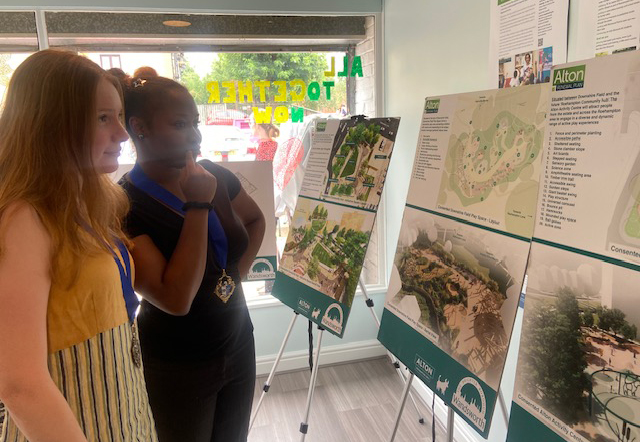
x=442 y=374
x=607 y=259
x=524 y=427
x=307 y=301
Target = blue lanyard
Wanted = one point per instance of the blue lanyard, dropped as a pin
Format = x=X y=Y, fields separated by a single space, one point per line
x=130 y=298
x=217 y=237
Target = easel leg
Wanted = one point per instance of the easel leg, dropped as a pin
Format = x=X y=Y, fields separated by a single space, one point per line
x=304 y=425
x=450 y=422
x=405 y=393
x=394 y=361
x=267 y=385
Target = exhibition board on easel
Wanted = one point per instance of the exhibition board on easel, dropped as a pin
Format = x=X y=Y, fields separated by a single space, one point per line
x=332 y=223
x=464 y=241
x=578 y=372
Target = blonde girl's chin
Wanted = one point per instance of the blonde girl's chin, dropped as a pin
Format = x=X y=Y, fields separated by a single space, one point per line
x=107 y=167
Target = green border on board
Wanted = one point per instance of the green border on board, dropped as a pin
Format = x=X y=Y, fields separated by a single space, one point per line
x=445 y=376
x=524 y=427
x=337 y=203
x=312 y=304
x=607 y=259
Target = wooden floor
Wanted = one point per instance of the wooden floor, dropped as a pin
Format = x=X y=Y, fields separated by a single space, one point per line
x=354 y=402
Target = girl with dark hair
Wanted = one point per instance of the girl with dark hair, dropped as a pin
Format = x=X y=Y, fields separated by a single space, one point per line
x=70 y=368
x=196 y=232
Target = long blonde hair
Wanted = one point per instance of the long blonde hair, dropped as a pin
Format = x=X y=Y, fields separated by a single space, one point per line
x=47 y=127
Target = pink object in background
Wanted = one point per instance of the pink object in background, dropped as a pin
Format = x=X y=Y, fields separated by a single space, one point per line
x=287 y=158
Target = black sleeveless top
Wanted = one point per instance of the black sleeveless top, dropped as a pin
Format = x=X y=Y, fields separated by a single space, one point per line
x=211 y=327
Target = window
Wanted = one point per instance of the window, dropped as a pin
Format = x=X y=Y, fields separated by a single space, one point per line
x=18 y=40
x=290 y=53
x=110 y=61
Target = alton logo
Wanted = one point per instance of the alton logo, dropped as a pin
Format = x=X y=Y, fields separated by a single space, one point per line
x=431 y=106
x=423 y=367
x=569 y=78
x=304 y=305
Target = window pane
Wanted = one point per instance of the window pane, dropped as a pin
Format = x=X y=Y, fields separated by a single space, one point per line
x=18 y=40
x=8 y=64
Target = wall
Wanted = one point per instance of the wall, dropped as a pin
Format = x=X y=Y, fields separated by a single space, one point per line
x=431 y=47
x=359 y=341
x=365 y=85
x=434 y=47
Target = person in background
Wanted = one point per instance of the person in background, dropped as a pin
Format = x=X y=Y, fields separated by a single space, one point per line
x=515 y=81
x=527 y=69
x=196 y=233
x=141 y=72
x=267 y=145
x=70 y=368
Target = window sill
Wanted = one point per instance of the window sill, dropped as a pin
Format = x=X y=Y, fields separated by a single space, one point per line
x=268 y=301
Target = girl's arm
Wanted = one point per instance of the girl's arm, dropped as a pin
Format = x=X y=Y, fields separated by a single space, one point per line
x=172 y=285
x=26 y=388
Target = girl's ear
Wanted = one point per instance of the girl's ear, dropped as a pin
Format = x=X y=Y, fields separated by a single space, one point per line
x=137 y=126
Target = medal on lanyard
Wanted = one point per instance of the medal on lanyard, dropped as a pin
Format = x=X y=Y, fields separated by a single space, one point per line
x=225 y=286
x=130 y=299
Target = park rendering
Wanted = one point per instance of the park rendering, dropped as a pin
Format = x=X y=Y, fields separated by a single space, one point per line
x=481 y=160
x=326 y=247
x=359 y=161
x=456 y=291
x=579 y=358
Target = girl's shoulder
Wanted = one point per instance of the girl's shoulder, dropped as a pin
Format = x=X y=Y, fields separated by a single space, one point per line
x=20 y=217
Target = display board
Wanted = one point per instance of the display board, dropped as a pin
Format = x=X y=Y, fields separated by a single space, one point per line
x=464 y=241
x=604 y=27
x=256 y=178
x=578 y=375
x=527 y=37
x=333 y=219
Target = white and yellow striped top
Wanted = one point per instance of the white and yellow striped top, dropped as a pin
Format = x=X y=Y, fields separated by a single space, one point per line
x=89 y=345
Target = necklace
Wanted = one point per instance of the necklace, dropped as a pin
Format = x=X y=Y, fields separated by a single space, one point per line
x=217 y=238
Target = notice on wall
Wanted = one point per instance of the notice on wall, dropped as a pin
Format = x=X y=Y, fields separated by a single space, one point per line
x=578 y=374
x=604 y=27
x=464 y=242
x=528 y=37
x=333 y=219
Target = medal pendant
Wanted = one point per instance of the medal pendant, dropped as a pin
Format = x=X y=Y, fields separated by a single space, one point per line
x=136 y=355
x=225 y=287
